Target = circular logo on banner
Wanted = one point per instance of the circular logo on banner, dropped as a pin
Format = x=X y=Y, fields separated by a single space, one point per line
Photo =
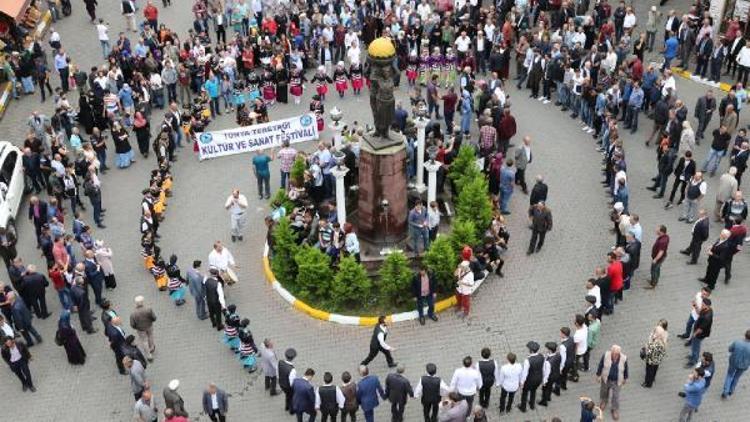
x=306 y=120
x=206 y=138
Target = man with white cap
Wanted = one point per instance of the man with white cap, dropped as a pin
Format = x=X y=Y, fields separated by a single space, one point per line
x=172 y=399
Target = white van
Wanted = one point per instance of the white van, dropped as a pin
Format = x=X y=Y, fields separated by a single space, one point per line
x=12 y=184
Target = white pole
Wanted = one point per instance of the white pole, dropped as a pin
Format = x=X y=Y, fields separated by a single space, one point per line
x=432 y=168
x=339 y=173
x=421 y=123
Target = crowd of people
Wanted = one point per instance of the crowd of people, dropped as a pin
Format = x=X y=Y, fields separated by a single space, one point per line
x=590 y=63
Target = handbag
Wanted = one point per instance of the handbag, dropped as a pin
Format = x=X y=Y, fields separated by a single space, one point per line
x=58 y=339
x=643 y=353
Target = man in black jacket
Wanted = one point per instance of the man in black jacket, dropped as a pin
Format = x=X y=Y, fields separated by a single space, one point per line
x=661 y=116
x=423 y=289
x=538 y=191
x=699 y=235
x=718 y=255
x=33 y=290
x=398 y=390
x=38 y=215
x=682 y=174
x=704 y=110
x=430 y=388
x=541 y=223
x=17 y=356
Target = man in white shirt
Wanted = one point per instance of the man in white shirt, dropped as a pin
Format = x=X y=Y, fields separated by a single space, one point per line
x=593 y=290
x=508 y=378
x=101 y=30
x=236 y=203
x=378 y=344
x=534 y=374
x=580 y=338
x=695 y=306
x=222 y=259
x=466 y=381
x=424 y=10
x=328 y=398
x=462 y=45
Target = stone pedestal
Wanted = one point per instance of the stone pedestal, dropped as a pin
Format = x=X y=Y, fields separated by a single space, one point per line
x=382 y=175
x=432 y=167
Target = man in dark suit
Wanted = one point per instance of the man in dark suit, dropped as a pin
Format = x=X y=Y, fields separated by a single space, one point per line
x=703 y=54
x=22 y=319
x=303 y=396
x=398 y=390
x=541 y=223
x=378 y=344
x=739 y=160
x=699 y=235
x=368 y=390
x=116 y=337
x=718 y=255
x=94 y=275
x=79 y=295
x=539 y=191
x=16 y=272
x=683 y=172
x=423 y=289
x=32 y=167
x=732 y=51
x=215 y=403
x=430 y=388
x=704 y=110
x=33 y=290
x=38 y=215
x=17 y=356
x=8 y=247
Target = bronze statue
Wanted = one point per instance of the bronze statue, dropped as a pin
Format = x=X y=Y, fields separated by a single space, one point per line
x=380 y=71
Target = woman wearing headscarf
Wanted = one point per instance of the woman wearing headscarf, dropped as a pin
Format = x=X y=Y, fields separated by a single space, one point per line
x=66 y=336
x=142 y=128
x=466 y=108
x=654 y=352
x=85 y=113
x=104 y=258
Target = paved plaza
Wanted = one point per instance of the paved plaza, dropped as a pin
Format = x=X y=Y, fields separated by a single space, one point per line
x=539 y=294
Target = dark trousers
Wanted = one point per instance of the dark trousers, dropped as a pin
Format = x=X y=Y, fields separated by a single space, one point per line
x=215 y=416
x=374 y=352
x=712 y=271
x=84 y=316
x=397 y=411
x=586 y=358
x=214 y=313
x=21 y=369
x=547 y=390
x=429 y=301
x=96 y=203
x=287 y=398
x=521 y=179
x=311 y=418
x=64 y=72
x=29 y=331
x=325 y=415
x=564 y=376
x=728 y=269
x=351 y=413
x=678 y=183
x=694 y=249
x=650 y=374
x=430 y=411
x=271 y=384
x=528 y=395
x=537 y=240
x=39 y=305
x=118 y=360
x=509 y=395
x=470 y=402
x=484 y=395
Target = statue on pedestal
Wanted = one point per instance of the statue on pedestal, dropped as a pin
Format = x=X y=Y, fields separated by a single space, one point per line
x=380 y=56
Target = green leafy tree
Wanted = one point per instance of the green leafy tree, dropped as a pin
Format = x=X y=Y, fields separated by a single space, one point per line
x=351 y=285
x=473 y=203
x=314 y=274
x=441 y=260
x=281 y=198
x=285 y=248
x=463 y=168
x=464 y=233
x=395 y=278
x=297 y=172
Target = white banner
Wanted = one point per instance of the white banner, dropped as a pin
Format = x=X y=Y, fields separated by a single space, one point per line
x=250 y=138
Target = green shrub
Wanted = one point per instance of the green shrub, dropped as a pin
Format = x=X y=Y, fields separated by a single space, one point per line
x=464 y=233
x=463 y=168
x=351 y=285
x=314 y=274
x=441 y=260
x=283 y=199
x=297 y=172
x=473 y=203
x=285 y=248
x=395 y=278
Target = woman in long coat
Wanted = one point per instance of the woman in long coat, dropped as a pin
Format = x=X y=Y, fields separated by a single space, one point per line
x=67 y=337
x=85 y=114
